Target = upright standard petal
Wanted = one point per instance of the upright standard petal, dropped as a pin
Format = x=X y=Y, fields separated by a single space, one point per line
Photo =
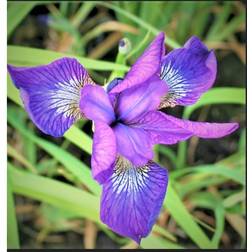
x=165 y=129
x=133 y=143
x=104 y=152
x=96 y=105
x=135 y=101
x=145 y=67
x=189 y=72
x=51 y=93
x=132 y=198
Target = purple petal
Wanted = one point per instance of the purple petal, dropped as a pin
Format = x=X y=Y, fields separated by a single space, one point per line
x=51 y=93
x=132 y=198
x=189 y=72
x=95 y=104
x=133 y=143
x=165 y=129
x=205 y=129
x=104 y=152
x=145 y=67
x=135 y=101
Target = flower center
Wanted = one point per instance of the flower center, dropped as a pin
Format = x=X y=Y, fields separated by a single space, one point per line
x=116 y=121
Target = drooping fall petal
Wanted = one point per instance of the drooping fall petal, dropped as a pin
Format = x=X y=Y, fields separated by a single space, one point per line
x=51 y=93
x=132 y=198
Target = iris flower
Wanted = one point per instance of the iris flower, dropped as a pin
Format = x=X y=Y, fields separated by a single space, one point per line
x=127 y=122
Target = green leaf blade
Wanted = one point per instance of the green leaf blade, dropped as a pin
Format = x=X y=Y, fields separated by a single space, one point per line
x=16 y=13
x=12 y=227
x=181 y=215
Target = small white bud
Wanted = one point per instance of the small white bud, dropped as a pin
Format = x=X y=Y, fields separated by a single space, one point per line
x=124 y=46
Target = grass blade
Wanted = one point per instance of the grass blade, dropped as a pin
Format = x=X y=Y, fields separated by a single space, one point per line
x=220 y=20
x=209 y=201
x=79 y=138
x=81 y=172
x=172 y=43
x=186 y=11
x=231 y=27
x=236 y=174
x=198 y=182
x=234 y=199
x=63 y=8
x=75 y=201
x=168 y=152
x=16 y=13
x=12 y=228
x=181 y=215
x=152 y=242
x=12 y=152
x=202 y=15
x=227 y=95
x=59 y=194
x=25 y=56
x=82 y=13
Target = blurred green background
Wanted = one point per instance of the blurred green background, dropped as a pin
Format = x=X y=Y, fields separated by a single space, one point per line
x=53 y=202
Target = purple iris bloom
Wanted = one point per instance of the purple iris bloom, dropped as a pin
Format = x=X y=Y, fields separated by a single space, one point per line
x=127 y=120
